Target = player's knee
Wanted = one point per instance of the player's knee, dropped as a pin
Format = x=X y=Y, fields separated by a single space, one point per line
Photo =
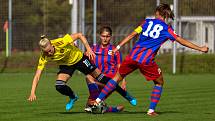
x=118 y=77
x=59 y=85
x=159 y=81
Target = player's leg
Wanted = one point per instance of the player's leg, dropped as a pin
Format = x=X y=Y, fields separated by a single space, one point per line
x=63 y=76
x=155 y=95
x=153 y=72
x=85 y=66
x=104 y=80
x=126 y=67
x=93 y=87
x=93 y=91
x=109 y=87
x=118 y=108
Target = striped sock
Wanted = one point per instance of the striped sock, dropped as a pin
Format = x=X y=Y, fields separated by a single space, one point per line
x=109 y=87
x=93 y=90
x=155 y=96
x=112 y=109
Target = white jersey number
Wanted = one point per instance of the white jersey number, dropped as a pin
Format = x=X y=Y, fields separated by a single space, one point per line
x=153 y=32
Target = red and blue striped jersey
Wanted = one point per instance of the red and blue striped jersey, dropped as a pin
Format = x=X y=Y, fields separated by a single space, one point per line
x=108 y=64
x=153 y=33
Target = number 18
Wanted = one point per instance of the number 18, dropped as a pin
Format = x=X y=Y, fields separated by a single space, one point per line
x=153 y=32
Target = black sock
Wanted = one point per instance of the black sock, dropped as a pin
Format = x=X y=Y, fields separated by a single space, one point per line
x=121 y=91
x=64 y=89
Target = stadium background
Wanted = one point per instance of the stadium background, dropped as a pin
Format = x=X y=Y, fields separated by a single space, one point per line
x=187 y=96
x=31 y=18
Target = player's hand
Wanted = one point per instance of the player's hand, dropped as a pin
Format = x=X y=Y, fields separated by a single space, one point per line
x=32 y=97
x=204 y=49
x=91 y=54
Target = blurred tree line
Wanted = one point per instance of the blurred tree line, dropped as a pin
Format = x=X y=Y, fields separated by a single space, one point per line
x=31 y=18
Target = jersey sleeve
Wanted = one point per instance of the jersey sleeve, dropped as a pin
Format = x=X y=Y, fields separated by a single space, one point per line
x=171 y=34
x=61 y=42
x=42 y=62
x=68 y=39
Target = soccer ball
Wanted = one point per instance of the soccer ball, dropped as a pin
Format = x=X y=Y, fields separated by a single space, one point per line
x=99 y=109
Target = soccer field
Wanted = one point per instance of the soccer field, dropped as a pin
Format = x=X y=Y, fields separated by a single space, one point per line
x=185 y=98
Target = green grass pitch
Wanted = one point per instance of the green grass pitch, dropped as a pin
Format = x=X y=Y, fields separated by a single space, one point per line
x=184 y=98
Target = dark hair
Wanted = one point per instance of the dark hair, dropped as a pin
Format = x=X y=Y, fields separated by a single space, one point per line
x=105 y=28
x=165 y=11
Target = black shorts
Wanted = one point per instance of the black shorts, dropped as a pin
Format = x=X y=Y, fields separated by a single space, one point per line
x=84 y=65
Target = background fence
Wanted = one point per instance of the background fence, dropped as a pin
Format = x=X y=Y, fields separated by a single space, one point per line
x=31 y=18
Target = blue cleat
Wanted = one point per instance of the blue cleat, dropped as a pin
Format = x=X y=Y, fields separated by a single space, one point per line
x=131 y=99
x=133 y=102
x=70 y=104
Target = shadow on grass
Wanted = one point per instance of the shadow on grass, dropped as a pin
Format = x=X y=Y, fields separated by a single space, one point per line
x=121 y=113
x=171 y=112
x=144 y=112
x=64 y=113
x=72 y=112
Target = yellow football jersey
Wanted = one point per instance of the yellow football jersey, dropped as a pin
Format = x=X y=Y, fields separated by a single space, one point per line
x=65 y=53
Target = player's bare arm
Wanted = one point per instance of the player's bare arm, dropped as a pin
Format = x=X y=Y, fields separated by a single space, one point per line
x=35 y=81
x=83 y=39
x=124 y=41
x=191 y=45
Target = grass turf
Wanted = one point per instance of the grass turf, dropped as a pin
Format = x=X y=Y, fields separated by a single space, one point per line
x=184 y=98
